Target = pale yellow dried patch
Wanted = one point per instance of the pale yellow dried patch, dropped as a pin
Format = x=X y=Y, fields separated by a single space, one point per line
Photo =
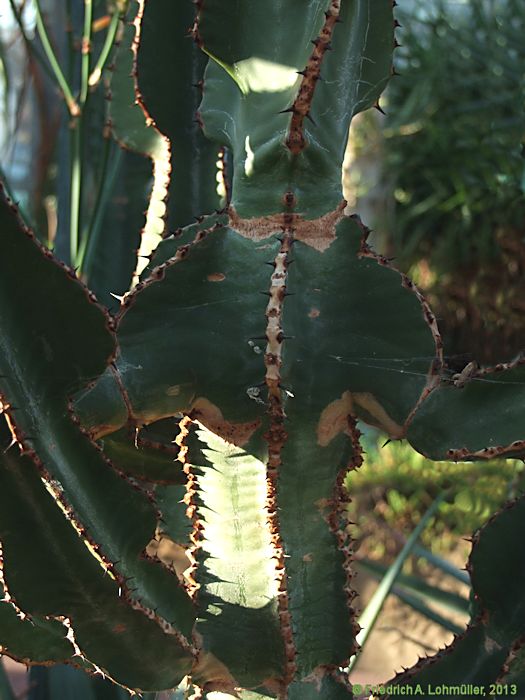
x=211 y=416
x=314 y=313
x=216 y=277
x=372 y=406
x=170 y=553
x=333 y=419
x=208 y=667
x=317 y=233
x=173 y=390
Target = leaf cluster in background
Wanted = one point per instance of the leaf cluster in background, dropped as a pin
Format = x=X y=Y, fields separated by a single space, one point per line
x=395 y=485
x=455 y=128
x=451 y=204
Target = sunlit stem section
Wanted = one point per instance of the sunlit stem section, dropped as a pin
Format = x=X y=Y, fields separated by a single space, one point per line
x=155 y=225
x=96 y=73
x=77 y=138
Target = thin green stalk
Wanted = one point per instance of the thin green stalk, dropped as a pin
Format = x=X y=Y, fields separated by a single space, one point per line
x=110 y=168
x=78 y=129
x=71 y=103
x=96 y=74
x=86 y=51
x=370 y=614
x=76 y=190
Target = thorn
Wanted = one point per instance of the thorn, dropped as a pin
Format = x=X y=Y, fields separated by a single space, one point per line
x=13 y=442
x=379 y=108
x=309 y=116
x=290 y=109
x=386 y=443
x=118 y=297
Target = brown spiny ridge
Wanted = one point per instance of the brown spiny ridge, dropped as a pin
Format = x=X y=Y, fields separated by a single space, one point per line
x=194 y=30
x=125 y=397
x=158 y=273
x=513 y=655
x=276 y=434
x=339 y=520
x=513 y=450
x=165 y=626
x=438 y=363
x=300 y=109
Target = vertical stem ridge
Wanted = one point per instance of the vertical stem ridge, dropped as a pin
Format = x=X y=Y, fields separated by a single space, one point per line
x=339 y=521
x=300 y=109
x=276 y=435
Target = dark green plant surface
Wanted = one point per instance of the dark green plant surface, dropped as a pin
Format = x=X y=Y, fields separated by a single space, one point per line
x=257 y=337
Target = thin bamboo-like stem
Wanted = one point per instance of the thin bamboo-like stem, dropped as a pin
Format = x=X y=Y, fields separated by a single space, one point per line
x=107 y=177
x=76 y=190
x=78 y=140
x=96 y=74
x=86 y=52
x=71 y=103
